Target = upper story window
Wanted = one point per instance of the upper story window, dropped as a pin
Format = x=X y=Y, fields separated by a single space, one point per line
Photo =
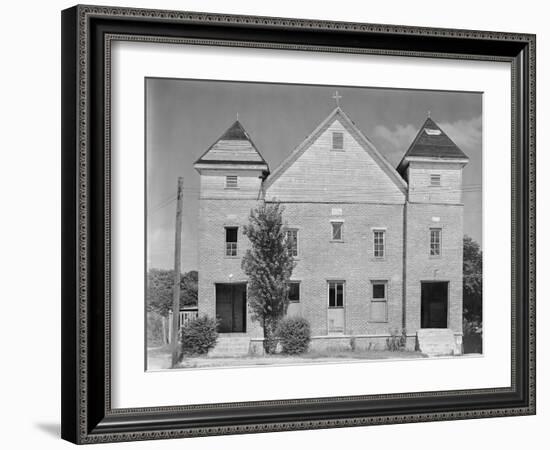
x=435 y=179
x=435 y=241
x=231 y=182
x=231 y=237
x=379 y=237
x=337 y=140
x=294 y=291
x=337 y=229
x=292 y=236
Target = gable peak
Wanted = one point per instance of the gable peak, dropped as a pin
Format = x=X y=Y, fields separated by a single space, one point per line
x=233 y=147
x=431 y=142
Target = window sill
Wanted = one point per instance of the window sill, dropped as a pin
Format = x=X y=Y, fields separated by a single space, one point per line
x=378 y=258
x=231 y=257
x=335 y=307
x=435 y=257
x=336 y=241
x=231 y=188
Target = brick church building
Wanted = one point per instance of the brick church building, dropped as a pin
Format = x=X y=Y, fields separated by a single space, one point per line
x=378 y=248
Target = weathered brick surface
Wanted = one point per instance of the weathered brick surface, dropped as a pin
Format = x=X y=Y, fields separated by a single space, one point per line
x=420 y=189
x=420 y=266
x=214 y=266
x=352 y=261
x=321 y=174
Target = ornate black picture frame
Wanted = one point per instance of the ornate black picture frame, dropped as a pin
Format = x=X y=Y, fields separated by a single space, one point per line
x=87 y=34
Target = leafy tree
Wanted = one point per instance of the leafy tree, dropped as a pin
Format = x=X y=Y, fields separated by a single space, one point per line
x=472 y=279
x=472 y=326
x=268 y=264
x=160 y=284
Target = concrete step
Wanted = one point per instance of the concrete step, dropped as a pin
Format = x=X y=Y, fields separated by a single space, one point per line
x=231 y=346
x=437 y=342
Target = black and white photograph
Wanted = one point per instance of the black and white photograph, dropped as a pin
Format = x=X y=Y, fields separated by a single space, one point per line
x=298 y=224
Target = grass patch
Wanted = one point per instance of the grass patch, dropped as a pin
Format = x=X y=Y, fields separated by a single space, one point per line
x=361 y=354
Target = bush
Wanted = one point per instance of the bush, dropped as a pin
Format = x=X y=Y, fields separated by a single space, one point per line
x=397 y=341
x=155 y=329
x=198 y=336
x=295 y=334
x=472 y=339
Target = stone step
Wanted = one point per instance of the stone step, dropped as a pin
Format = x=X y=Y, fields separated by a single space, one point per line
x=231 y=346
x=437 y=342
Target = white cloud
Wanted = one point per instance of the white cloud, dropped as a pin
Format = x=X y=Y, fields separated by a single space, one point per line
x=464 y=133
x=397 y=139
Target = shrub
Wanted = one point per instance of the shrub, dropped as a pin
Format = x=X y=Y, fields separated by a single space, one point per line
x=155 y=329
x=198 y=336
x=352 y=342
x=397 y=341
x=472 y=336
x=295 y=334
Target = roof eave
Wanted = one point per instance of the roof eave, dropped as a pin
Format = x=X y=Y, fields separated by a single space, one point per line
x=433 y=159
x=216 y=165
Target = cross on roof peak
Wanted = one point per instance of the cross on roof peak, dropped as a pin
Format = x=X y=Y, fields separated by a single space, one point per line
x=337 y=97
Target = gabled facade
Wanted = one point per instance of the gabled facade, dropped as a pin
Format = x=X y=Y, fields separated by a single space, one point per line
x=378 y=249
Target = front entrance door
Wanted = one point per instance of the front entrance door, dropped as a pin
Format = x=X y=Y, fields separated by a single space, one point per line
x=434 y=304
x=231 y=307
x=336 y=304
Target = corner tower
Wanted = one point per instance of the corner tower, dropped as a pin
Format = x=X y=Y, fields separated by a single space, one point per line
x=232 y=167
x=231 y=172
x=432 y=167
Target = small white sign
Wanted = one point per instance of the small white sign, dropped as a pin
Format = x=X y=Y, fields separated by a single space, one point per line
x=435 y=219
x=336 y=212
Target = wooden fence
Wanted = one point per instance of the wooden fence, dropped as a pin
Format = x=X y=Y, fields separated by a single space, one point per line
x=186 y=314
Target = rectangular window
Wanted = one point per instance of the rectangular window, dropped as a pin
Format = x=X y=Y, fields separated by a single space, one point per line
x=231 y=182
x=435 y=179
x=379 y=243
x=379 y=302
x=335 y=294
x=292 y=236
x=337 y=231
x=231 y=235
x=435 y=241
x=337 y=140
x=294 y=291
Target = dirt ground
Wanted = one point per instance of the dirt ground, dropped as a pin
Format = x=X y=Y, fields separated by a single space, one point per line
x=159 y=359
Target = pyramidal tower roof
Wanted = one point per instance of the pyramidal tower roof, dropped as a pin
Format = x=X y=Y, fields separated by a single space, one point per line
x=234 y=147
x=432 y=142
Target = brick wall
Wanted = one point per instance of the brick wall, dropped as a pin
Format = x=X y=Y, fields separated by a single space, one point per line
x=421 y=190
x=320 y=259
x=422 y=267
x=214 y=265
x=321 y=174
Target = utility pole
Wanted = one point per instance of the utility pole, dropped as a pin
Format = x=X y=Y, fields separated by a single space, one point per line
x=177 y=276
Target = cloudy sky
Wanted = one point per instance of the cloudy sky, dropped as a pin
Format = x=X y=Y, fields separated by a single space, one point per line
x=184 y=117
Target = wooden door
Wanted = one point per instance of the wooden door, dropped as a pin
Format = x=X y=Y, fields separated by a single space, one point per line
x=231 y=307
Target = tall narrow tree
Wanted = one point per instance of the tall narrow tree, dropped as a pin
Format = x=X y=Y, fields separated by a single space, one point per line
x=268 y=264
